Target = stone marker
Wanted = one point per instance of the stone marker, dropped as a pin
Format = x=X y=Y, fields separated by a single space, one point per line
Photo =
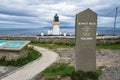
x=85 y=49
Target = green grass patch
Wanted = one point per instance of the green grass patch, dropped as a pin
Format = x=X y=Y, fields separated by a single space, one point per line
x=58 y=69
x=112 y=46
x=32 y=55
x=53 y=45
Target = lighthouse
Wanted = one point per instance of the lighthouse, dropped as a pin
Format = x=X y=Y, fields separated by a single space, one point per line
x=56 y=25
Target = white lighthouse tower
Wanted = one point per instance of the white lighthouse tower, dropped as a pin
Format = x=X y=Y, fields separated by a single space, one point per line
x=56 y=27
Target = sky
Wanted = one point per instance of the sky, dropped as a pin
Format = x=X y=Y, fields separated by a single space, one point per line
x=40 y=13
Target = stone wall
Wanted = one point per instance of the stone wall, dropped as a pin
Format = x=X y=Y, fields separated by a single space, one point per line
x=13 y=55
x=62 y=39
x=53 y=39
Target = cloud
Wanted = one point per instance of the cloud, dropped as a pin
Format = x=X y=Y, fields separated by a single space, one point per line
x=18 y=19
x=104 y=20
x=41 y=12
x=11 y=22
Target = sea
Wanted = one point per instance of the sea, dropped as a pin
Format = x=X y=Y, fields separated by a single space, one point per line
x=63 y=29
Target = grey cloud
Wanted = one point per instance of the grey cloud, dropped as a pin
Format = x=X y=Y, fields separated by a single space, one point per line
x=42 y=11
x=16 y=12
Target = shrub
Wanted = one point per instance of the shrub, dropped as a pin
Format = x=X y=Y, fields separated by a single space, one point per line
x=80 y=75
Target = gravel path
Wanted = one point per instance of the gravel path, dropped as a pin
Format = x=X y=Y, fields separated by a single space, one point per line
x=6 y=69
x=30 y=70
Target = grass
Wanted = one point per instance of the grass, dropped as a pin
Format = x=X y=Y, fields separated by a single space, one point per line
x=32 y=55
x=81 y=75
x=58 y=69
x=112 y=46
x=52 y=45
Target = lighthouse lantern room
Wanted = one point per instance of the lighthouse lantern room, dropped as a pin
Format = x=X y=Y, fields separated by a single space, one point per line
x=56 y=27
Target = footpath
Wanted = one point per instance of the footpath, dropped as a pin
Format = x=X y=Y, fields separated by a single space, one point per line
x=30 y=70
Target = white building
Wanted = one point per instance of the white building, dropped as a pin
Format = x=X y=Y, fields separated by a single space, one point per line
x=42 y=34
x=56 y=27
x=50 y=31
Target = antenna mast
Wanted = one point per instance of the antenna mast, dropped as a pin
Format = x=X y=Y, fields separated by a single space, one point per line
x=115 y=21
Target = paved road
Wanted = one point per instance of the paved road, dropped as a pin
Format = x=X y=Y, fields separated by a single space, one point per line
x=30 y=70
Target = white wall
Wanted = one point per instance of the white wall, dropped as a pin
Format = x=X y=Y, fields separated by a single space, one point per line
x=50 y=32
x=56 y=30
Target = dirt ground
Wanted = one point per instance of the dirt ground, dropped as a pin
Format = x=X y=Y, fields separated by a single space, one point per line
x=109 y=59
